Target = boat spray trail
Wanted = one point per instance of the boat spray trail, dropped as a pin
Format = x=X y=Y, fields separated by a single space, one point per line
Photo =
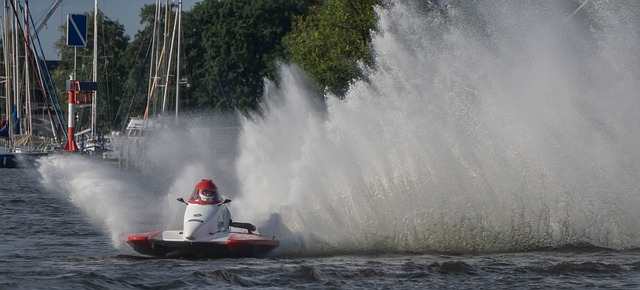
x=122 y=202
x=116 y=202
x=490 y=126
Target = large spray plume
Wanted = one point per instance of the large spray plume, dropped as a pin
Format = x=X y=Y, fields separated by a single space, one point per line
x=484 y=126
x=490 y=126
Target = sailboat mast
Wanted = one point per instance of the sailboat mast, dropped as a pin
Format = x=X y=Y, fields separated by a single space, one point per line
x=27 y=71
x=16 y=68
x=5 y=58
x=7 y=71
x=94 y=101
x=179 y=24
x=153 y=71
x=169 y=61
x=163 y=56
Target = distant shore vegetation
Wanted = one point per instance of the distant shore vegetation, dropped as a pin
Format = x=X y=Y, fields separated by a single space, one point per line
x=228 y=48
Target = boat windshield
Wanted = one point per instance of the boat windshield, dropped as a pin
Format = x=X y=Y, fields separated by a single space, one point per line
x=205 y=196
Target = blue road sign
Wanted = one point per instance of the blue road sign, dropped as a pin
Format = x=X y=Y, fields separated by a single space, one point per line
x=76 y=30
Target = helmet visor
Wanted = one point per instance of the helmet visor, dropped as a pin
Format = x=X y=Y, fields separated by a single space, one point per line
x=208 y=193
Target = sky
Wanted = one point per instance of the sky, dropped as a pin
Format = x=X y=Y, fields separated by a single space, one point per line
x=124 y=11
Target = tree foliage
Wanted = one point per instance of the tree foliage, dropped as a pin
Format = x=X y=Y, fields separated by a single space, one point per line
x=332 y=39
x=228 y=48
x=233 y=45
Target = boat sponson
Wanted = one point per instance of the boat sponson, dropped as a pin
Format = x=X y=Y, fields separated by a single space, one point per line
x=142 y=244
x=251 y=245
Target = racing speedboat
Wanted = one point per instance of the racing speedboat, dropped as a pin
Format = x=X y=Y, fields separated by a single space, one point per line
x=208 y=232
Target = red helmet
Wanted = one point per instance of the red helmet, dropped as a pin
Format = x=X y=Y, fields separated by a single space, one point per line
x=206 y=184
x=207 y=191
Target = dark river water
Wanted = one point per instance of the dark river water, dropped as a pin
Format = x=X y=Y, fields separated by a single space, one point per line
x=49 y=244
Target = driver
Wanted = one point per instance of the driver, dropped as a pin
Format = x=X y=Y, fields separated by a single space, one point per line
x=205 y=192
x=209 y=195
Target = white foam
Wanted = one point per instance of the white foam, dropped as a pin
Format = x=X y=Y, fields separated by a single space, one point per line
x=498 y=127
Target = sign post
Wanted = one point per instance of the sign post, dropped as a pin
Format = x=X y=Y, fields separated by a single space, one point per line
x=76 y=35
x=76 y=30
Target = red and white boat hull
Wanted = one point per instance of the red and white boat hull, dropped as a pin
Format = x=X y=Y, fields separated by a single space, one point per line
x=172 y=244
x=206 y=231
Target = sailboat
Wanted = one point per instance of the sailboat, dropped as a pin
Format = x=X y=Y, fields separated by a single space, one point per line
x=32 y=123
x=164 y=74
x=160 y=72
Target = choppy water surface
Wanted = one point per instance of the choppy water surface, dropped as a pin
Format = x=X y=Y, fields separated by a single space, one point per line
x=494 y=145
x=49 y=244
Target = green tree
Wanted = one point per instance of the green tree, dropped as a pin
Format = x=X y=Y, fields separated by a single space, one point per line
x=332 y=39
x=233 y=46
x=112 y=68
